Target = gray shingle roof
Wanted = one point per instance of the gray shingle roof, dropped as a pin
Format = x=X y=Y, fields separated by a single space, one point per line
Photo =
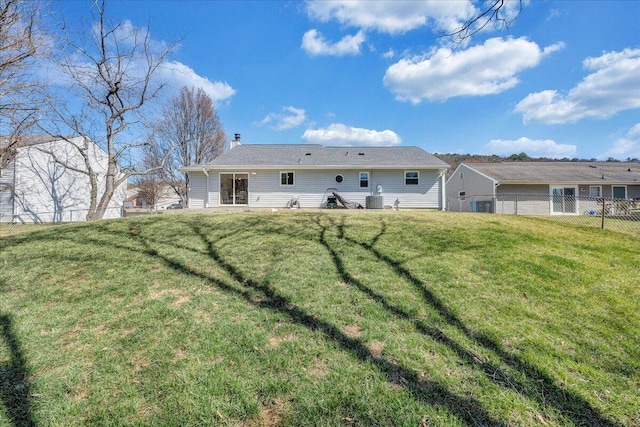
x=314 y=155
x=559 y=172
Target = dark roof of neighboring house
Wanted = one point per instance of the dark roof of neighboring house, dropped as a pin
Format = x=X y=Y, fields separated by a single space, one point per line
x=559 y=172
x=319 y=156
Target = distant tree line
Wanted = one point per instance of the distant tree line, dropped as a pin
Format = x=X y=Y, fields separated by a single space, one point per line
x=454 y=159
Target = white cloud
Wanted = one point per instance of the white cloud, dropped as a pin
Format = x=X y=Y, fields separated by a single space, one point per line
x=613 y=86
x=553 y=14
x=178 y=75
x=627 y=146
x=485 y=69
x=389 y=54
x=393 y=16
x=315 y=44
x=172 y=73
x=338 y=134
x=130 y=35
x=533 y=148
x=289 y=118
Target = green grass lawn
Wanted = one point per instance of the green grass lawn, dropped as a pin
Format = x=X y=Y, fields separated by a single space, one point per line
x=324 y=319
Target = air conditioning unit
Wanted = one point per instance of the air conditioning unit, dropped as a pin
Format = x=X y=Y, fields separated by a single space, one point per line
x=374 y=202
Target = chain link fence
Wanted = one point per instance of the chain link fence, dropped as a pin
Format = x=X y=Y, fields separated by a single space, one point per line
x=621 y=215
x=614 y=214
x=26 y=220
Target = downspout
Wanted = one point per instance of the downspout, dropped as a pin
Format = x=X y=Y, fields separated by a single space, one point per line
x=443 y=193
x=206 y=200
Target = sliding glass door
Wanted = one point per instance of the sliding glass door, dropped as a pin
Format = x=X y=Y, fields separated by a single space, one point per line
x=563 y=200
x=234 y=189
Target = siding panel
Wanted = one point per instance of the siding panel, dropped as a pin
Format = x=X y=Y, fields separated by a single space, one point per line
x=311 y=187
x=6 y=193
x=197 y=189
x=477 y=187
x=47 y=191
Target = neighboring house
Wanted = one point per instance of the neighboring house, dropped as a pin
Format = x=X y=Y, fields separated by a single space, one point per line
x=167 y=196
x=540 y=188
x=36 y=188
x=133 y=200
x=305 y=175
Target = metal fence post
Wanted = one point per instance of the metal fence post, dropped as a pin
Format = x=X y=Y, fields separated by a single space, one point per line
x=603 y=212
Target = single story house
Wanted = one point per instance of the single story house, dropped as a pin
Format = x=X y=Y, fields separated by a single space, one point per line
x=305 y=175
x=36 y=188
x=541 y=188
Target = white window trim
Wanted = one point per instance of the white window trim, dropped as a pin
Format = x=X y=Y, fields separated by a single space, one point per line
x=575 y=195
x=405 y=178
x=287 y=185
x=360 y=179
x=599 y=187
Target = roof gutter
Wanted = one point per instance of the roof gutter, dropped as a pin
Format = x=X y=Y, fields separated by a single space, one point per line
x=441 y=169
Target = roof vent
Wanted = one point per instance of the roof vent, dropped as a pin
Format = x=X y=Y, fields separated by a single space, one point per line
x=592 y=166
x=360 y=154
x=307 y=154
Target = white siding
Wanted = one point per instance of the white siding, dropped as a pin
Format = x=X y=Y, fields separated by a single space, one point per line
x=311 y=186
x=214 y=189
x=476 y=186
x=46 y=191
x=197 y=190
x=425 y=195
x=6 y=193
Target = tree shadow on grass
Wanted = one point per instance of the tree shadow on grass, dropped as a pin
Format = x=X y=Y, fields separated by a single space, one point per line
x=15 y=390
x=532 y=382
x=263 y=295
x=537 y=386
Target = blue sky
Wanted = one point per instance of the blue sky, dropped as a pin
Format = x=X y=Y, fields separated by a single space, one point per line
x=563 y=80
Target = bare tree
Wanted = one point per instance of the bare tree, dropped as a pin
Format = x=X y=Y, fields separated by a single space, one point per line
x=498 y=14
x=20 y=42
x=190 y=123
x=112 y=70
x=150 y=189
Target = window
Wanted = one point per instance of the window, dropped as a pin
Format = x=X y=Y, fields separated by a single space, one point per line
x=619 y=192
x=595 y=191
x=339 y=178
x=462 y=194
x=286 y=178
x=411 y=178
x=364 y=179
